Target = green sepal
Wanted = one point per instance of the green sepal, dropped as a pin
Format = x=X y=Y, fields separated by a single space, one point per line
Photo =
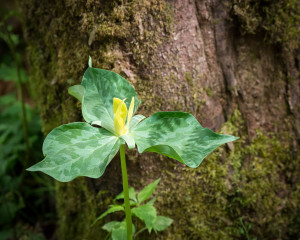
x=76 y=91
x=128 y=138
x=77 y=149
x=135 y=121
x=177 y=135
x=101 y=86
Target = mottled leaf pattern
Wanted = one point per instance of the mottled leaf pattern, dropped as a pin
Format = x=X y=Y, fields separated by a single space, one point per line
x=177 y=135
x=77 y=149
x=101 y=86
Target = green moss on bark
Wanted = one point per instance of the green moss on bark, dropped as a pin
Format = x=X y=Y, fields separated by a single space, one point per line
x=256 y=180
x=278 y=20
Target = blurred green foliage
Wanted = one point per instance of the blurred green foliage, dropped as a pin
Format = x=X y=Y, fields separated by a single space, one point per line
x=24 y=198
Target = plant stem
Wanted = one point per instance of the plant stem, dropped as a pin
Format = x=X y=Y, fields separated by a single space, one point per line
x=126 y=193
x=12 y=47
x=140 y=231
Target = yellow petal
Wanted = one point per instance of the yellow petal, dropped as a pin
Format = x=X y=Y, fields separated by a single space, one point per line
x=120 y=112
x=116 y=103
x=130 y=112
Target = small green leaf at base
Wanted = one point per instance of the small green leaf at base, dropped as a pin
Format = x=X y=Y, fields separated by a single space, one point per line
x=110 y=225
x=161 y=223
x=112 y=209
x=146 y=192
x=118 y=230
x=132 y=195
x=146 y=213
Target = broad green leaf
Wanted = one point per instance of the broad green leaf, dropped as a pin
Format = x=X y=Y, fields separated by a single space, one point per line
x=110 y=225
x=77 y=149
x=146 y=192
x=77 y=91
x=120 y=232
x=161 y=223
x=132 y=195
x=146 y=213
x=110 y=210
x=101 y=86
x=177 y=135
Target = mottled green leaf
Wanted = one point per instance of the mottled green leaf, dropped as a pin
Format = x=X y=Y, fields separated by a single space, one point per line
x=161 y=223
x=110 y=210
x=77 y=91
x=146 y=192
x=132 y=195
x=77 y=149
x=177 y=135
x=146 y=213
x=101 y=86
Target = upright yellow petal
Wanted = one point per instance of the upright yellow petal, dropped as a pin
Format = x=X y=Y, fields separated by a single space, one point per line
x=120 y=112
x=116 y=103
x=130 y=112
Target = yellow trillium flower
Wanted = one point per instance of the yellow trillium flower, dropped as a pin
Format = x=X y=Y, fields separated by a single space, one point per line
x=120 y=114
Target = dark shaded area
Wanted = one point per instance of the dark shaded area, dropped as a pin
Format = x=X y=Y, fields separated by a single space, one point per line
x=27 y=206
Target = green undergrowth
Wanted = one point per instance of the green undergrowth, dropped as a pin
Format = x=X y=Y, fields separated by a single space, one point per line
x=256 y=181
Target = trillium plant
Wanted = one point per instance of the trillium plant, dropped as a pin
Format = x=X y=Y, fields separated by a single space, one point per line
x=109 y=103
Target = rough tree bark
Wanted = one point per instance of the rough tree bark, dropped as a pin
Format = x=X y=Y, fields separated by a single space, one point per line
x=180 y=55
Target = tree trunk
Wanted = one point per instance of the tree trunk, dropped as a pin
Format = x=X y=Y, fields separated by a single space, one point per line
x=193 y=56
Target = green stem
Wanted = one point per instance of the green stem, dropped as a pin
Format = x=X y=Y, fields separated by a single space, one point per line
x=20 y=94
x=126 y=193
x=140 y=231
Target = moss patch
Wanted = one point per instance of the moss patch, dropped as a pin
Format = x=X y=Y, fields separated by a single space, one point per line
x=279 y=20
x=257 y=181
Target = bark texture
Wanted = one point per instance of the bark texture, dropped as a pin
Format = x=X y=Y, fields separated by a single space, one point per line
x=193 y=56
